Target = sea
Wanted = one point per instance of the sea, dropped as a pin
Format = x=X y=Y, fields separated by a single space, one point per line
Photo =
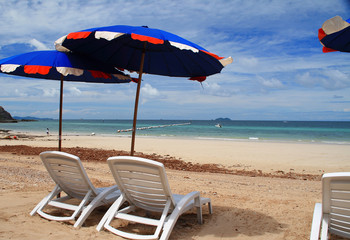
x=328 y=132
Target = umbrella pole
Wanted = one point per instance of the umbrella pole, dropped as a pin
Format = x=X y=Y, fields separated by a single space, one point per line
x=60 y=116
x=137 y=100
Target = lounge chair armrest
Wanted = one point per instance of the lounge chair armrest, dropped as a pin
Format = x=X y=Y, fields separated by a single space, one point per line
x=183 y=205
x=316 y=222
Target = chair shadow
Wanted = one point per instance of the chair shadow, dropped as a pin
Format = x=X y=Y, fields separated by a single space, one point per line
x=225 y=222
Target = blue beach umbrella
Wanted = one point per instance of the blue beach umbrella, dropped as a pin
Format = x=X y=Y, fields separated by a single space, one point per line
x=54 y=65
x=145 y=50
x=334 y=35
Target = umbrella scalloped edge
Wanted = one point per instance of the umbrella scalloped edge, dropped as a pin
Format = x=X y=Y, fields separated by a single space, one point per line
x=183 y=46
x=107 y=35
x=7 y=68
x=226 y=61
x=67 y=70
x=113 y=35
x=334 y=24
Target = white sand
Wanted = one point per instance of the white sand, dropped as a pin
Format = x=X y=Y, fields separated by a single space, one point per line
x=314 y=158
x=244 y=208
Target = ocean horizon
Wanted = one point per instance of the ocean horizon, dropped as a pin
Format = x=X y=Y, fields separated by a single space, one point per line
x=332 y=132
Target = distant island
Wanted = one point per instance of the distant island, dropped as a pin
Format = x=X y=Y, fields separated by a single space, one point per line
x=223 y=119
x=5 y=117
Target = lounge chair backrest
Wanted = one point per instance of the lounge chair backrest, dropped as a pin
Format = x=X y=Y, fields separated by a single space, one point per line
x=143 y=182
x=336 y=202
x=68 y=173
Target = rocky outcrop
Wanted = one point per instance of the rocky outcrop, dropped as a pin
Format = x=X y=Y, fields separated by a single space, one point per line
x=5 y=116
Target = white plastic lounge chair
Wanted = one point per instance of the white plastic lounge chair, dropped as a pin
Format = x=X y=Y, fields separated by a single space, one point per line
x=144 y=185
x=334 y=212
x=68 y=173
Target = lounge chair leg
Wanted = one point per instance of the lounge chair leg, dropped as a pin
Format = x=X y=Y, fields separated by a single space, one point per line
x=111 y=212
x=210 y=208
x=46 y=200
x=198 y=205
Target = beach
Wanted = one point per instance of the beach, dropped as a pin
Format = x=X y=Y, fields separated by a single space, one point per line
x=304 y=158
x=259 y=190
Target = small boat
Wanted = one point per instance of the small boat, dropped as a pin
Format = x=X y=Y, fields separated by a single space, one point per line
x=218 y=125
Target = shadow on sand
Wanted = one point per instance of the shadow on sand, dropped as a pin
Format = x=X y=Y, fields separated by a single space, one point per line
x=225 y=222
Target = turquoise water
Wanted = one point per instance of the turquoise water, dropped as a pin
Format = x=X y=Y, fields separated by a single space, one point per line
x=300 y=131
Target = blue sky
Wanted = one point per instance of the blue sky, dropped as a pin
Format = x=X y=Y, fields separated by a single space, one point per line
x=278 y=72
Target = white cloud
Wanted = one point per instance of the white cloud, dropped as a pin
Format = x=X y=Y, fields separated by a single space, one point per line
x=215 y=89
x=306 y=79
x=272 y=83
x=38 y=45
x=336 y=80
x=74 y=91
x=248 y=61
x=148 y=92
x=19 y=93
x=50 y=92
x=328 y=79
